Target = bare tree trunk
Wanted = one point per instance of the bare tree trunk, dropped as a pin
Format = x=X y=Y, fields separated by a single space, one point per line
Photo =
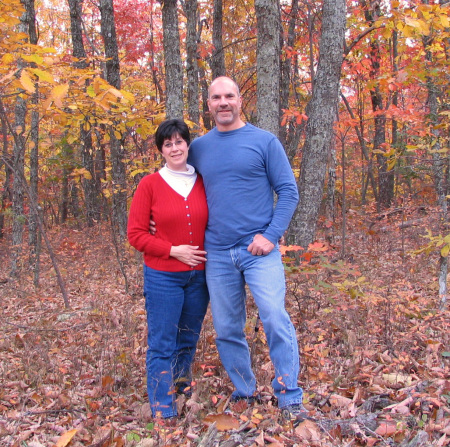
x=34 y=238
x=322 y=112
x=108 y=30
x=6 y=197
x=290 y=133
x=217 y=62
x=440 y=163
x=153 y=68
x=268 y=23
x=91 y=186
x=385 y=176
x=172 y=59
x=18 y=168
x=191 y=11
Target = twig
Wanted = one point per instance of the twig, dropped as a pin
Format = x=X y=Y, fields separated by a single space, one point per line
x=31 y=329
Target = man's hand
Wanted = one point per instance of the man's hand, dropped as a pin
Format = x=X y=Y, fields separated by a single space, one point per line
x=260 y=246
x=189 y=254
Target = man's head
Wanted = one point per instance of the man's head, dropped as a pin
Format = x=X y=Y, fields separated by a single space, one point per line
x=224 y=102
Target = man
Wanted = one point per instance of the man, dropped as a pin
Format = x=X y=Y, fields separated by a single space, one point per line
x=242 y=166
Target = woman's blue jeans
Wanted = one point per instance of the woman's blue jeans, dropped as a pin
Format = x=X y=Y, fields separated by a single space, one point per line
x=227 y=271
x=176 y=304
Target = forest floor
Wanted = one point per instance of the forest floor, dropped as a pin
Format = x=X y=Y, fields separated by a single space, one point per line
x=374 y=348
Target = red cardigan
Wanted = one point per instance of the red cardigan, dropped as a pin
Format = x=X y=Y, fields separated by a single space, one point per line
x=179 y=221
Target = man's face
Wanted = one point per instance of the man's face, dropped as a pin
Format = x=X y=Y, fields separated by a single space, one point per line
x=224 y=103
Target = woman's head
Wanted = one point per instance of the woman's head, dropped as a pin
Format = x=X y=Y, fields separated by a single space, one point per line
x=170 y=128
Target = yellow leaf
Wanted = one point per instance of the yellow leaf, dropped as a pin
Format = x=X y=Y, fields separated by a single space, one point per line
x=7 y=59
x=58 y=93
x=138 y=171
x=445 y=250
x=419 y=25
x=27 y=82
x=445 y=21
x=33 y=58
x=66 y=438
x=42 y=75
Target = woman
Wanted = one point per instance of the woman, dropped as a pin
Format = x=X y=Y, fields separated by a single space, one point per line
x=176 y=296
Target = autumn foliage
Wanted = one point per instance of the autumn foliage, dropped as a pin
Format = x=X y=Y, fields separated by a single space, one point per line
x=365 y=297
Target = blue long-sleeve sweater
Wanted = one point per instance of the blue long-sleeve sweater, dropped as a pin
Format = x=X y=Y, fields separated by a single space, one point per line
x=241 y=169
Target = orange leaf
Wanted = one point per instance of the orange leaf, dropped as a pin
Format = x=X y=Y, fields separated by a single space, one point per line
x=386 y=429
x=317 y=246
x=285 y=248
x=66 y=438
x=223 y=421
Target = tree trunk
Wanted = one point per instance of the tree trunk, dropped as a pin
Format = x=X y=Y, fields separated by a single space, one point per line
x=191 y=11
x=290 y=133
x=152 y=61
x=268 y=22
x=385 y=176
x=91 y=186
x=440 y=163
x=217 y=62
x=33 y=229
x=108 y=30
x=18 y=165
x=172 y=60
x=322 y=113
x=6 y=196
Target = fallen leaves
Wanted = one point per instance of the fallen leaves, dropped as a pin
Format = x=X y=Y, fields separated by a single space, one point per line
x=66 y=438
x=223 y=421
x=84 y=369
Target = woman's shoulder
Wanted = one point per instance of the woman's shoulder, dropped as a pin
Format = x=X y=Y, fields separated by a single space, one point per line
x=150 y=181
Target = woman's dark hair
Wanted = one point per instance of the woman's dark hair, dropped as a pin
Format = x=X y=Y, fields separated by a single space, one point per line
x=168 y=128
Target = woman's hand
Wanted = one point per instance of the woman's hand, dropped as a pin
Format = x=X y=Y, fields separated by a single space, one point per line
x=189 y=254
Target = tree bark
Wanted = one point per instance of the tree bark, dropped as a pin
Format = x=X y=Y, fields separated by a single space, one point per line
x=322 y=113
x=385 y=176
x=172 y=59
x=6 y=196
x=112 y=74
x=217 y=62
x=91 y=186
x=191 y=11
x=440 y=164
x=290 y=133
x=268 y=21
x=19 y=164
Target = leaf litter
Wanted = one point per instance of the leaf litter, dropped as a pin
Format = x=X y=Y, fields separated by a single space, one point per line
x=374 y=351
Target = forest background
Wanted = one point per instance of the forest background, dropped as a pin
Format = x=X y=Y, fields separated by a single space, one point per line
x=358 y=93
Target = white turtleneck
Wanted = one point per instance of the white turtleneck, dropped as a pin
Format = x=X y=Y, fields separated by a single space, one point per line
x=180 y=181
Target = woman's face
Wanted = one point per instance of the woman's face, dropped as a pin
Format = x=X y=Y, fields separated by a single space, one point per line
x=175 y=152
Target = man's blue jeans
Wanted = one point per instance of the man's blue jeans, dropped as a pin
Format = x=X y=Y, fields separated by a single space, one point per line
x=176 y=304
x=227 y=271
